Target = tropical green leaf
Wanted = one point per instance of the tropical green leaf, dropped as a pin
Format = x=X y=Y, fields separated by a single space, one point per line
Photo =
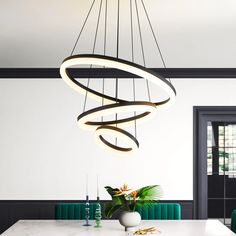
x=111 y=191
x=149 y=193
x=110 y=209
x=116 y=199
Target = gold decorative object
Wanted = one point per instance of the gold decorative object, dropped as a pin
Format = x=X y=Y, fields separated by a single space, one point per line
x=145 y=231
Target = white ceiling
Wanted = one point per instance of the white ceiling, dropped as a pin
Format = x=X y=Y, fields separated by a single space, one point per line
x=191 y=33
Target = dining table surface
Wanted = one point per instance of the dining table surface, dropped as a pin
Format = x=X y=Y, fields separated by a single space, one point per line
x=113 y=228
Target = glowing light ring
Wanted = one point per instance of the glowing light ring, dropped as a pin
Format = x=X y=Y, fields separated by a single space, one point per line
x=116 y=132
x=116 y=105
x=93 y=59
x=85 y=120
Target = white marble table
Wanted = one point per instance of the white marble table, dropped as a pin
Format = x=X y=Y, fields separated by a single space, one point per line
x=113 y=228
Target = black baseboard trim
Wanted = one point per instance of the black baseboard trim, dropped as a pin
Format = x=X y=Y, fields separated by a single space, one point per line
x=13 y=210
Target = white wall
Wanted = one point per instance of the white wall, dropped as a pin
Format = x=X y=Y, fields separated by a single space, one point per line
x=44 y=155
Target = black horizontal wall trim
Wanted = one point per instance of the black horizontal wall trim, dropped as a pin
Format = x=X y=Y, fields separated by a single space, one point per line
x=53 y=73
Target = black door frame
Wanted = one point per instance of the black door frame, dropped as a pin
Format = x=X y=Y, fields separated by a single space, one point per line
x=201 y=115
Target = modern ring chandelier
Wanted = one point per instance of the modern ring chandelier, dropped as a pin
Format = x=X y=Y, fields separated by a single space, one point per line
x=114 y=113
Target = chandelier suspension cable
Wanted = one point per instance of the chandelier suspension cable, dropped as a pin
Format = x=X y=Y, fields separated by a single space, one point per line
x=117 y=53
x=104 y=51
x=90 y=9
x=132 y=53
x=154 y=36
x=117 y=44
x=94 y=46
x=141 y=41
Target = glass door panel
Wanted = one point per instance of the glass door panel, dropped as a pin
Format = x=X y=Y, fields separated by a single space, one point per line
x=221 y=169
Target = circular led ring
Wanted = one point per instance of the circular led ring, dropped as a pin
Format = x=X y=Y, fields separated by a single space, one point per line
x=128 y=138
x=86 y=119
x=93 y=59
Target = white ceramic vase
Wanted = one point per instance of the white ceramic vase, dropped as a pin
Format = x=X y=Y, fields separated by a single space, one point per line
x=130 y=219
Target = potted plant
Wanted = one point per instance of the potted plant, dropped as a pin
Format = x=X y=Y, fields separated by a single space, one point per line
x=128 y=200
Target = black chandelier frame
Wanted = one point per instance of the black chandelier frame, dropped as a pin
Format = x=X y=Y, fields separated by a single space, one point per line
x=113 y=104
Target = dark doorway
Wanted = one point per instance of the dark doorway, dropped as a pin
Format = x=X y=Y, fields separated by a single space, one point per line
x=214 y=162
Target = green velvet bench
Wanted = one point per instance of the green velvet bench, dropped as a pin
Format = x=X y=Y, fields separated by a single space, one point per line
x=160 y=211
x=233 y=221
x=73 y=211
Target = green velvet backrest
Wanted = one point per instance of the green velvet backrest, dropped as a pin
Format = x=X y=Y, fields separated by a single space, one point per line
x=233 y=221
x=160 y=211
x=73 y=211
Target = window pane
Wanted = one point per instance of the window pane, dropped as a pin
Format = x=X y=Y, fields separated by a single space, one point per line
x=209 y=135
x=221 y=154
x=209 y=148
x=232 y=162
x=209 y=161
x=221 y=136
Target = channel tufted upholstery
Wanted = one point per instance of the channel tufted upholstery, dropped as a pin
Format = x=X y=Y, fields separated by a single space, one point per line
x=160 y=211
x=73 y=211
x=233 y=221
